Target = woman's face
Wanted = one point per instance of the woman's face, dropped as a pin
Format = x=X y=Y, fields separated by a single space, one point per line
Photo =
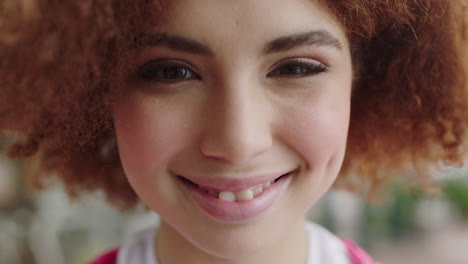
x=229 y=96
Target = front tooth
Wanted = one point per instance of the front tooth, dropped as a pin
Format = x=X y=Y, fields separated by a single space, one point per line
x=244 y=195
x=227 y=196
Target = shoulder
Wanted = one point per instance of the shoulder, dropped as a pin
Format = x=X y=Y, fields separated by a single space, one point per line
x=325 y=247
x=357 y=254
x=138 y=249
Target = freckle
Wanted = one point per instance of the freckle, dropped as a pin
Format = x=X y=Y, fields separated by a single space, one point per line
x=235 y=23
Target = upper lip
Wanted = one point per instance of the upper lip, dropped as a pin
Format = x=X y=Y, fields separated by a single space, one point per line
x=234 y=184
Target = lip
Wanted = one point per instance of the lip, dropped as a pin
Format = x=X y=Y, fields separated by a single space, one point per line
x=236 y=184
x=236 y=212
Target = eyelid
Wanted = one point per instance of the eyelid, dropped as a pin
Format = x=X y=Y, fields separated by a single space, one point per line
x=147 y=70
x=168 y=61
x=300 y=61
x=305 y=60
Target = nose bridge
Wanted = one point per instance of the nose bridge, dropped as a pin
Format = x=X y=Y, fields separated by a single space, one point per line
x=238 y=128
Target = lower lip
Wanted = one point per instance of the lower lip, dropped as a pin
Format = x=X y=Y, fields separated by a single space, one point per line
x=235 y=211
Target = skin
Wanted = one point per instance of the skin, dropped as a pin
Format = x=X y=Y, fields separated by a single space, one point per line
x=239 y=116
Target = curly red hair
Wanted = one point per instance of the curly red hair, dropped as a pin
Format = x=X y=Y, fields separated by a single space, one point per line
x=61 y=68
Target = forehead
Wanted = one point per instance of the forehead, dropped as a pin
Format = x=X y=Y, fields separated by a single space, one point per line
x=248 y=21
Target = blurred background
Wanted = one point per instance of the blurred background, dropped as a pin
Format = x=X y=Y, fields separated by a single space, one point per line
x=408 y=226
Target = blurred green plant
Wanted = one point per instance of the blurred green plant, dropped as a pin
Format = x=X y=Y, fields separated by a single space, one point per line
x=456 y=191
x=396 y=218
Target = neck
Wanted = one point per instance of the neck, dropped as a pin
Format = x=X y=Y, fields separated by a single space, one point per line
x=172 y=248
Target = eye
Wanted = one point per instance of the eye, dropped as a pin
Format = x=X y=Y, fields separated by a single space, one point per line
x=298 y=68
x=167 y=71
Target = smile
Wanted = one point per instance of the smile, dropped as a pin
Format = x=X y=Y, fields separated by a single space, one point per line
x=236 y=200
x=236 y=196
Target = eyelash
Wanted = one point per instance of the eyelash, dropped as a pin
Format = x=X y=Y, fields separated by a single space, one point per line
x=166 y=71
x=155 y=71
x=306 y=67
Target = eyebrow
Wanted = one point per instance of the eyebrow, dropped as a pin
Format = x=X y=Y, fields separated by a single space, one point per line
x=171 y=41
x=312 y=38
x=179 y=43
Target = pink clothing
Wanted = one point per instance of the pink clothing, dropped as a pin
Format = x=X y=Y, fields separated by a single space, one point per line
x=356 y=254
x=107 y=258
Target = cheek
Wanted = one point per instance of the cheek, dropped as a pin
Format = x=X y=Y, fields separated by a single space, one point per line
x=145 y=139
x=318 y=133
x=326 y=137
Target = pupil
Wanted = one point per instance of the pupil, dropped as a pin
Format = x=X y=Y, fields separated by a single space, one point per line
x=174 y=72
x=294 y=69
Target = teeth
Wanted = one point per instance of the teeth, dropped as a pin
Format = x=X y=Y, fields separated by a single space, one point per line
x=257 y=190
x=244 y=195
x=227 y=196
x=266 y=185
x=241 y=196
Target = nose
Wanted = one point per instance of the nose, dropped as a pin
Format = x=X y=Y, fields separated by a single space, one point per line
x=238 y=126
